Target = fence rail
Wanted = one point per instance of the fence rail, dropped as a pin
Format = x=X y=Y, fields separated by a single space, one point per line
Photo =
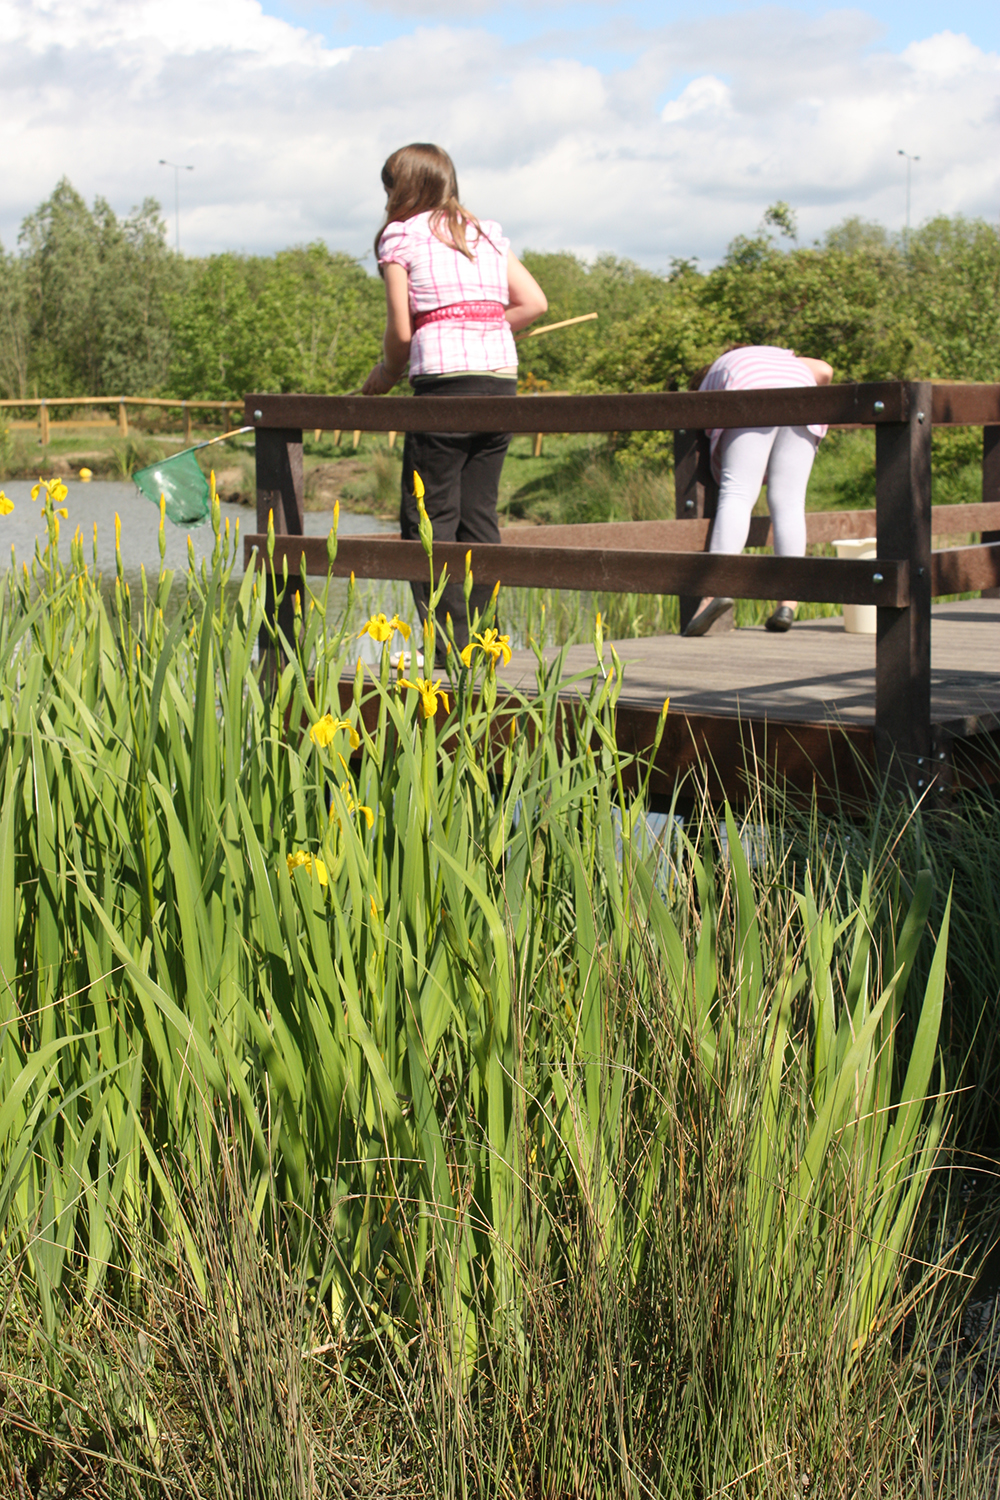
x=668 y=556
x=45 y=403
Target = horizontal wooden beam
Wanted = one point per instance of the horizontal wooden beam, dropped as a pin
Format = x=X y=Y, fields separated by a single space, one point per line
x=692 y=536
x=965 y=405
x=609 y=570
x=118 y=401
x=649 y=412
x=965 y=570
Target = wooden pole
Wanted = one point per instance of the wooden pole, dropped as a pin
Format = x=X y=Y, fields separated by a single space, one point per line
x=43 y=422
x=991 y=486
x=122 y=419
x=696 y=495
x=357 y=437
x=187 y=423
x=903 y=637
x=536 y=451
x=281 y=491
x=392 y=441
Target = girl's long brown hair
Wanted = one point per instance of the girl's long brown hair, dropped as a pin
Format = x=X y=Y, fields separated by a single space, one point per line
x=421 y=179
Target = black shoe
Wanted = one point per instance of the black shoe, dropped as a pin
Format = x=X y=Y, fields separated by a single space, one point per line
x=707 y=617
x=783 y=619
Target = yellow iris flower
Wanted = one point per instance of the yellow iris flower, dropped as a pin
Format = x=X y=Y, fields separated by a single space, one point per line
x=492 y=643
x=347 y=792
x=323 y=731
x=429 y=692
x=304 y=861
x=382 y=629
x=6 y=506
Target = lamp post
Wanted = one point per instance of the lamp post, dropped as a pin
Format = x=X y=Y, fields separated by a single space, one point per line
x=909 y=163
x=177 y=198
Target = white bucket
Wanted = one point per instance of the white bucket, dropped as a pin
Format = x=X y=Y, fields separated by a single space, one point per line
x=859 y=619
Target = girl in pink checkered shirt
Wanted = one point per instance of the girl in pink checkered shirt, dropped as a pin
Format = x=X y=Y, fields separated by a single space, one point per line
x=455 y=295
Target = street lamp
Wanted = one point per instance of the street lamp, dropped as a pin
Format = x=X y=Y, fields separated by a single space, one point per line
x=177 y=198
x=909 y=163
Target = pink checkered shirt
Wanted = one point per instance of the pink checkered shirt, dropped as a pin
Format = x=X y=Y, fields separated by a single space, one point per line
x=758 y=368
x=440 y=276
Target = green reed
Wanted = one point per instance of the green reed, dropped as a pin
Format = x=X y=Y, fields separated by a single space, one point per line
x=606 y=1143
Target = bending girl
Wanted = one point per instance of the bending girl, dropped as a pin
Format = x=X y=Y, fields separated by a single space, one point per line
x=745 y=458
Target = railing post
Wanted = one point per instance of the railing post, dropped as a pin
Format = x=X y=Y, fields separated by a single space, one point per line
x=122 y=418
x=903 y=638
x=281 y=490
x=991 y=486
x=43 y=423
x=696 y=495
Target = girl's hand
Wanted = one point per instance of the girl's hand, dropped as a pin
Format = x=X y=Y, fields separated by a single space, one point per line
x=380 y=382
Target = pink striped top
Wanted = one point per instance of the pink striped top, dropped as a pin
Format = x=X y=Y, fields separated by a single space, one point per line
x=758 y=368
x=440 y=276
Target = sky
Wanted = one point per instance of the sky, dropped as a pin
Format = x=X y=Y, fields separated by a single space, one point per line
x=644 y=128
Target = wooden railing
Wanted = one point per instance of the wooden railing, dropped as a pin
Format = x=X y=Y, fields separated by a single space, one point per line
x=44 y=404
x=665 y=557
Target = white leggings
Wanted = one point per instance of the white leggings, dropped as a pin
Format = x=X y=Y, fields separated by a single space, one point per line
x=746 y=455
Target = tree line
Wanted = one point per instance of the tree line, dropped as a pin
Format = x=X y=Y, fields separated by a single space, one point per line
x=91 y=304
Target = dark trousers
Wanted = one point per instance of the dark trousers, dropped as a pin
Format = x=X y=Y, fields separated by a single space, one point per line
x=461 y=475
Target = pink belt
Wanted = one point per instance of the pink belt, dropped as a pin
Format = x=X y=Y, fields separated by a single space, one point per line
x=462 y=312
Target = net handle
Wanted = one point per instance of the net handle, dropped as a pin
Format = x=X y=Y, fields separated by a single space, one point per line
x=236 y=432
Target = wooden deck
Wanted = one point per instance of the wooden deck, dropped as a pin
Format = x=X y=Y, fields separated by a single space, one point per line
x=800 y=707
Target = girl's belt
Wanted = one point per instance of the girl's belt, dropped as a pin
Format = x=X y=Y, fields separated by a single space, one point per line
x=462 y=312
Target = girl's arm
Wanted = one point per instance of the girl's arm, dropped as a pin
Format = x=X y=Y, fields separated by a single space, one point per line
x=398 y=334
x=527 y=300
x=822 y=373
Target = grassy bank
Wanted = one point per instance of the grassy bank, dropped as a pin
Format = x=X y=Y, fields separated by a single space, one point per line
x=385 y=1111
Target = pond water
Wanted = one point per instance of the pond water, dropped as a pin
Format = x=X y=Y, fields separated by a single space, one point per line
x=98 y=502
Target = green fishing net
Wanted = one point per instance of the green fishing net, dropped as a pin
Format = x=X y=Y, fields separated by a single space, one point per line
x=183 y=485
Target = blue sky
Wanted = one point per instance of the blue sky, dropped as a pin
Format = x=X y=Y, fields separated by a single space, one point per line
x=592 y=26
x=642 y=129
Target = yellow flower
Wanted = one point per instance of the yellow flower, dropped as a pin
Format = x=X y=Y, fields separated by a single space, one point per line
x=324 y=729
x=418 y=486
x=57 y=491
x=492 y=643
x=6 y=506
x=429 y=692
x=382 y=629
x=301 y=860
x=347 y=792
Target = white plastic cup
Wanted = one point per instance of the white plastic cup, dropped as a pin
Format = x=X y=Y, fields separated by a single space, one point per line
x=859 y=619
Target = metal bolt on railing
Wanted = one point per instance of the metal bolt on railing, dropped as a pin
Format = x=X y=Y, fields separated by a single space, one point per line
x=258 y=416
x=880 y=406
x=877 y=578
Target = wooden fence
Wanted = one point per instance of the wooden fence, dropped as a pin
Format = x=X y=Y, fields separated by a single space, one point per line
x=44 y=404
x=661 y=557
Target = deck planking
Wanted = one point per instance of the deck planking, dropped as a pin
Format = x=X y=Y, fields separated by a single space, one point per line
x=800 y=704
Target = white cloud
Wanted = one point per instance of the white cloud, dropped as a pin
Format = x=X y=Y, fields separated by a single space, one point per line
x=287 y=134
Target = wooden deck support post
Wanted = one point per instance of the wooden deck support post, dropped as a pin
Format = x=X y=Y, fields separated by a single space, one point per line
x=43 y=423
x=281 y=491
x=991 y=486
x=187 y=423
x=696 y=495
x=903 y=638
x=122 y=418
